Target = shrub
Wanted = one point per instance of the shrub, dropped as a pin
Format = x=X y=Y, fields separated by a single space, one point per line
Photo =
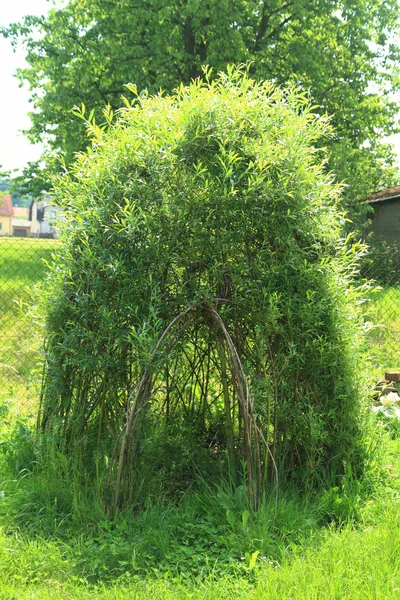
x=203 y=283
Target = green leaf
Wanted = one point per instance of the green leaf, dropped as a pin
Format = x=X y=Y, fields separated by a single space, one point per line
x=253 y=559
x=230 y=518
x=64 y=462
x=245 y=517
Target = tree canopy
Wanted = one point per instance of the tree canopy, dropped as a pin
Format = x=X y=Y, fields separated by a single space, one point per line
x=341 y=52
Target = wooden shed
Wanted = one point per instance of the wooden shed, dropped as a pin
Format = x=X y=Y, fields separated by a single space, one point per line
x=385 y=217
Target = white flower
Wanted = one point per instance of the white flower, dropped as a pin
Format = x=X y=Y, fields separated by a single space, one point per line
x=388 y=411
x=390 y=399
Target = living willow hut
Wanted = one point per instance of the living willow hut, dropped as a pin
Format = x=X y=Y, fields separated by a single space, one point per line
x=199 y=317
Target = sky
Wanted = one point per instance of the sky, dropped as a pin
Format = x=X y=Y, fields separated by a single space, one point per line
x=15 y=149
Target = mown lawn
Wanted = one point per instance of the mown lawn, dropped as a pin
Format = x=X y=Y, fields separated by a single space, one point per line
x=22 y=262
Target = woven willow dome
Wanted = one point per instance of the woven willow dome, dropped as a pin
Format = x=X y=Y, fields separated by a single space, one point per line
x=203 y=291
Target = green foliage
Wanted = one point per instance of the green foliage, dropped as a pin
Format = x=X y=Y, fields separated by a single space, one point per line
x=19 y=449
x=343 y=503
x=86 y=51
x=5 y=183
x=210 y=209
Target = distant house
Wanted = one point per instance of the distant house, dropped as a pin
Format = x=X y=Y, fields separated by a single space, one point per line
x=39 y=220
x=46 y=216
x=6 y=215
x=385 y=218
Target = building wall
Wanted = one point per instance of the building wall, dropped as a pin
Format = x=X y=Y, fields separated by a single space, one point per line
x=21 y=212
x=21 y=225
x=5 y=227
x=386 y=220
x=46 y=218
x=21 y=231
x=35 y=225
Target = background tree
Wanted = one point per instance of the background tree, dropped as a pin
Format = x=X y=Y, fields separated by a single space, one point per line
x=5 y=181
x=342 y=52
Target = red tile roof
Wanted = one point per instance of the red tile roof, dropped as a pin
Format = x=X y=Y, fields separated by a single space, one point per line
x=6 y=207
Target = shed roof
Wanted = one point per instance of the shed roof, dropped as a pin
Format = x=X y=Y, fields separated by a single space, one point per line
x=6 y=207
x=390 y=193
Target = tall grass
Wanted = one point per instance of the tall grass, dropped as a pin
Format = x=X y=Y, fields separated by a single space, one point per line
x=195 y=549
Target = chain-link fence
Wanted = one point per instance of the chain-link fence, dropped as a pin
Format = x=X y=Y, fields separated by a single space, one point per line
x=23 y=265
x=383 y=339
x=381 y=265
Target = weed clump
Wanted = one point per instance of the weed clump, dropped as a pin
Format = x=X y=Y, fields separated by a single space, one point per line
x=204 y=296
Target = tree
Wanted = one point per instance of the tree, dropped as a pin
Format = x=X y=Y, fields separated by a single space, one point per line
x=19 y=197
x=5 y=181
x=341 y=51
x=203 y=293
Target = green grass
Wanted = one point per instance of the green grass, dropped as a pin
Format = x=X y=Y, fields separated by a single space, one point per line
x=56 y=543
x=341 y=564
x=353 y=561
x=21 y=261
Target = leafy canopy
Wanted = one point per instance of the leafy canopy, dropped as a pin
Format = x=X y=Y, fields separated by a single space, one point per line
x=341 y=51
